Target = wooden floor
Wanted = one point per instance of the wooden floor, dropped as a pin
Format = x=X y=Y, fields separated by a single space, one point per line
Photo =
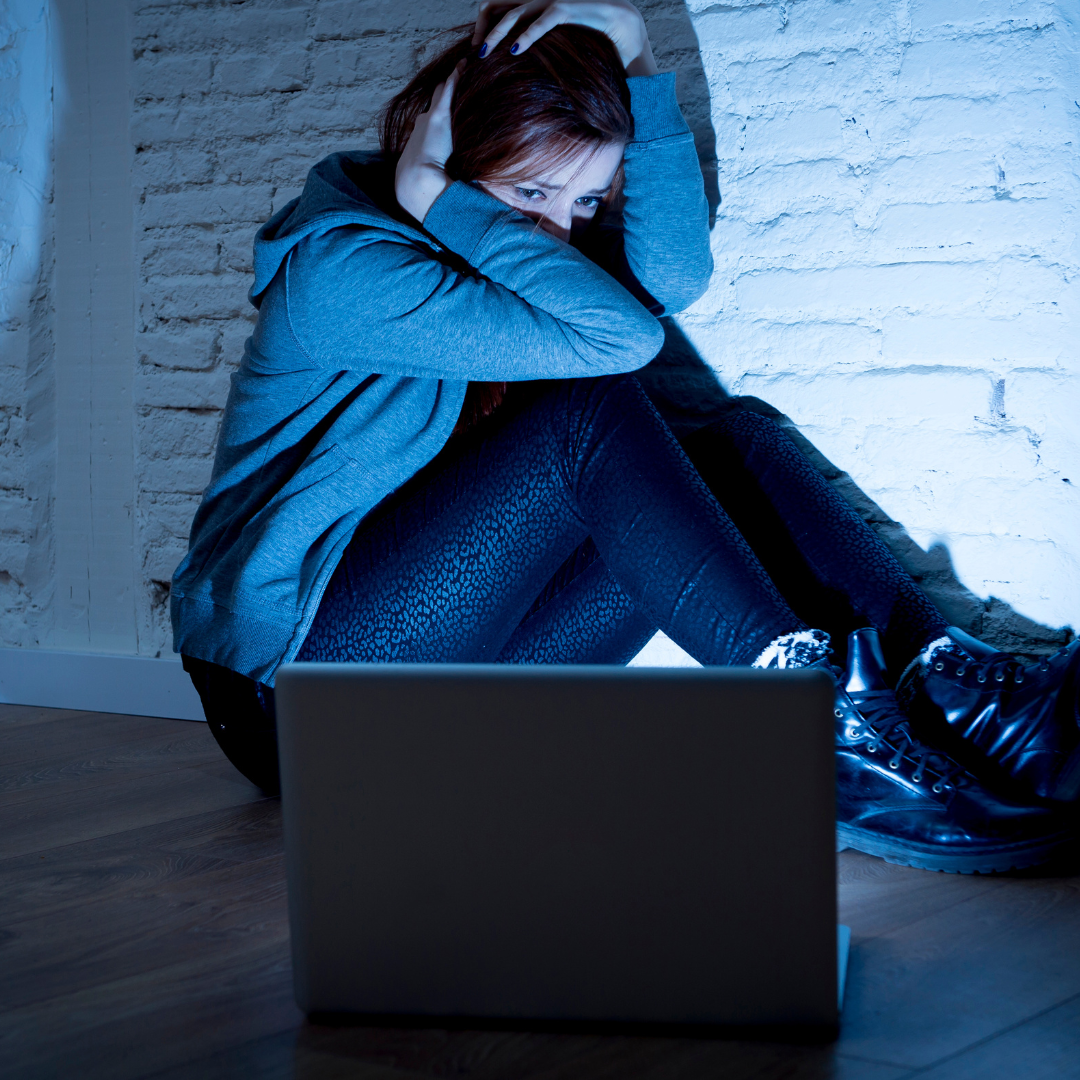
x=143 y=933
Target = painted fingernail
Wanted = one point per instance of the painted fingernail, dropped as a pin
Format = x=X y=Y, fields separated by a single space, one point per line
x=483 y=50
x=514 y=48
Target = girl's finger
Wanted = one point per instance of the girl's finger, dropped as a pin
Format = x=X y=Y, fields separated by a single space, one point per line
x=482 y=19
x=506 y=24
x=554 y=16
x=443 y=95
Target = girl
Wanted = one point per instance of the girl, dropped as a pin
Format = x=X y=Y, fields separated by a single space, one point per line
x=434 y=450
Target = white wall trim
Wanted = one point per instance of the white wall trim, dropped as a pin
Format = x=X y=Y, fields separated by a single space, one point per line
x=98 y=682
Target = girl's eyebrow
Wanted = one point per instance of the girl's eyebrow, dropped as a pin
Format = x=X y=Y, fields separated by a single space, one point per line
x=558 y=187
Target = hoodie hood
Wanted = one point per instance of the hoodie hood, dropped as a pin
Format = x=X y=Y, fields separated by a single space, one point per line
x=355 y=187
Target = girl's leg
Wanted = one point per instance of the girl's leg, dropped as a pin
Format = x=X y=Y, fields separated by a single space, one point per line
x=581 y=617
x=828 y=563
x=447 y=569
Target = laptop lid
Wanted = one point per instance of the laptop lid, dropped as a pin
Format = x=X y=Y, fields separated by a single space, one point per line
x=561 y=843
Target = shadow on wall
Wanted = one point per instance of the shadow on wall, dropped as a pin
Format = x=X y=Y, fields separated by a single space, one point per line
x=676 y=46
x=688 y=394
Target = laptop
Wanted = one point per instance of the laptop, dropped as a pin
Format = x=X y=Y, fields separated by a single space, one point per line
x=564 y=845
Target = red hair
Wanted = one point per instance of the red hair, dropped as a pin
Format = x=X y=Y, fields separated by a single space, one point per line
x=510 y=113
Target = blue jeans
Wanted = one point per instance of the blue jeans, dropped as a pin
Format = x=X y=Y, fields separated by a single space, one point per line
x=571 y=525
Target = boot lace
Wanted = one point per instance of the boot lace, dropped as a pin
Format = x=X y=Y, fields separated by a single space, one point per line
x=882 y=719
x=1001 y=668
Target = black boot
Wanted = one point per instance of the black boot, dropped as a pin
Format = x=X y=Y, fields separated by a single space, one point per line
x=1016 y=725
x=909 y=804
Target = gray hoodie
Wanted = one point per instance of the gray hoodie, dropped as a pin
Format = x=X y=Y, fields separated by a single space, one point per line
x=370 y=329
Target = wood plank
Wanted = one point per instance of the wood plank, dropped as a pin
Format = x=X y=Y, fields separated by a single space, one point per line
x=161 y=1018
x=876 y=897
x=111 y=866
x=43 y=742
x=13 y=716
x=1046 y=1047
x=82 y=814
x=946 y=982
x=47 y=740
x=186 y=918
x=106 y=761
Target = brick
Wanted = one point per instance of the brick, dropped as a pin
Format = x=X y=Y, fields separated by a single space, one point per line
x=979 y=14
x=273 y=161
x=179 y=250
x=208 y=204
x=182 y=389
x=196 y=296
x=188 y=347
x=817 y=79
x=973 y=67
x=1033 y=119
x=346 y=19
x=349 y=109
x=172 y=167
x=1041 y=338
x=259 y=73
x=364 y=62
x=970 y=230
x=167 y=434
x=780 y=30
x=245 y=26
x=157 y=77
x=746 y=348
x=236 y=245
x=185 y=475
x=763 y=194
x=870 y=290
x=799 y=135
x=155 y=125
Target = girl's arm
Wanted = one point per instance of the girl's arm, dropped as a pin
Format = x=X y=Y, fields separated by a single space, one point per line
x=503 y=301
x=665 y=218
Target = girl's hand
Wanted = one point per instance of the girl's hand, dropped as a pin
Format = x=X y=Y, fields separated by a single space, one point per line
x=420 y=179
x=618 y=19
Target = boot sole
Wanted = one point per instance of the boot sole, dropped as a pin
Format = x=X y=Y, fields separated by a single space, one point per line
x=950 y=860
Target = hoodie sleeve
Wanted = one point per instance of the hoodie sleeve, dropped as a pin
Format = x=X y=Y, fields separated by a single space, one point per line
x=663 y=241
x=510 y=303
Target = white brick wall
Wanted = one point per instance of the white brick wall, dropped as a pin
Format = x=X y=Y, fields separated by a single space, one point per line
x=896 y=254
x=25 y=251
x=897 y=267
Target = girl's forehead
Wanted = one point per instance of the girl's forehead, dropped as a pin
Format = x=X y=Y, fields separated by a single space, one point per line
x=592 y=167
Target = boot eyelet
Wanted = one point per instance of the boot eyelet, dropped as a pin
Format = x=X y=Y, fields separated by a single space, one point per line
x=937 y=789
x=917 y=777
x=1000 y=676
x=838 y=713
x=939 y=666
x=1019 y=678
x=894 y=764
x=981 y=678
x=871 y=748
x=960 y=671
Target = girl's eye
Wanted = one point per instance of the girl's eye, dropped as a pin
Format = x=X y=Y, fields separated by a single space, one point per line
x=529 y=194
x=590 y=202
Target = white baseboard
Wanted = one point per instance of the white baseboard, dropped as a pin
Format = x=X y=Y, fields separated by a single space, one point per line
x=98 y=682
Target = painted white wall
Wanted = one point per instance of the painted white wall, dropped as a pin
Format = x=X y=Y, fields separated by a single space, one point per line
x=897 y=262
x=26 y=431
x=896 y=248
